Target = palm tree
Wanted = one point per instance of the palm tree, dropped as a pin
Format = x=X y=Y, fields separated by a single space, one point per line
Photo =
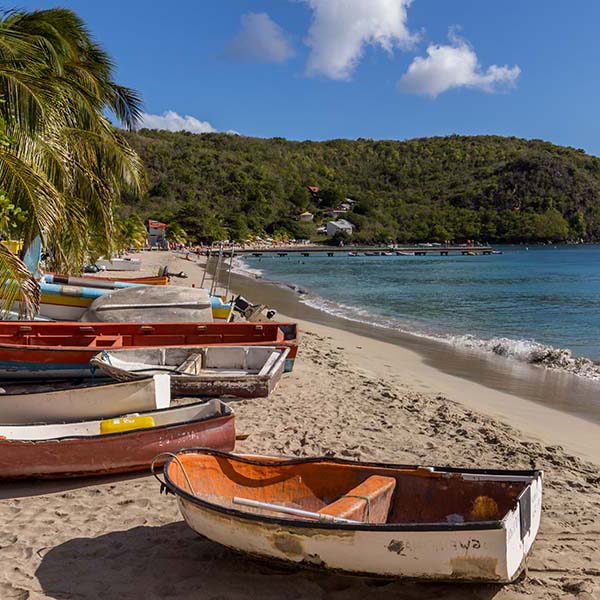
x=131 y=233
x=61 y=160
x=177 y=234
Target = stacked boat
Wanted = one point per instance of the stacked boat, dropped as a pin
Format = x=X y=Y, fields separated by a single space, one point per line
x=95 y=398
x=144 y=378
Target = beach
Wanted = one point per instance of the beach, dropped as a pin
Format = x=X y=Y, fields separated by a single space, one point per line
x=353 y=394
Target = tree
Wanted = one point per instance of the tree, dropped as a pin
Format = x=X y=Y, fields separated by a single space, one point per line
x=176 y=234
x=61 y=160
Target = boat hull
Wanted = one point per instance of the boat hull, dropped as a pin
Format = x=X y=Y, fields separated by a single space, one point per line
x=115 y=453
x=477 y=555
x=79 y=403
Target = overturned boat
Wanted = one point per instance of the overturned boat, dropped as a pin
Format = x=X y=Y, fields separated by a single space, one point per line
x=116 y=445
x=243 y=371
x=362 y=518
x=54 y=403
x=38 y=350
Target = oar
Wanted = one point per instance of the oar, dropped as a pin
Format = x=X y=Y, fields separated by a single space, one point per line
x=293 y=511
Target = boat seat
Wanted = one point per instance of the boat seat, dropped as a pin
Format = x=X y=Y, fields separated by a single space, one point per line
x=369 y=501
x=106 y=341
x=192 y=365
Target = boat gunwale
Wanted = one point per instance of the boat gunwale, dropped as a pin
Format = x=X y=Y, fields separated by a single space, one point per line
x=306 y=524
x=231 y=414
x=68 y=386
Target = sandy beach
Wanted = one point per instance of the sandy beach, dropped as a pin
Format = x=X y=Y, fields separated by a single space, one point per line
x=350 y=395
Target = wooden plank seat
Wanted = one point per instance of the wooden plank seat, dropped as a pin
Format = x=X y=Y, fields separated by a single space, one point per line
x=106 y=341
x=369 y=501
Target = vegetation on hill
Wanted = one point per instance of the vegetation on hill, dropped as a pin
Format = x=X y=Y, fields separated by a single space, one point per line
x=497 y=189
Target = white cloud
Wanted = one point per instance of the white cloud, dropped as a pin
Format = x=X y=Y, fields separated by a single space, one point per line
x=172 y=121
x=260 y=40
x=454 y=66
x=341 y=28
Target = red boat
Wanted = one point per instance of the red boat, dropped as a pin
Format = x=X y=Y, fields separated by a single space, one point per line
x=63 y=349
x=99 y=447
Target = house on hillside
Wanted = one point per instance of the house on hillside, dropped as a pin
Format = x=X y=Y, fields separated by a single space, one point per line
x=305 y=217
x=314 y=190
x=157 y=234
x=341 y=225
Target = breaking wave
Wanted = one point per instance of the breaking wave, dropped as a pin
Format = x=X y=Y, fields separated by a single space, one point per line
x=526 y=351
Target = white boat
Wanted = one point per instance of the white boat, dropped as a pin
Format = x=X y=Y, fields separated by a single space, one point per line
x=49 y=404
x=119 y=264
x=243 y=371
x=151 y=303
x=362 y=518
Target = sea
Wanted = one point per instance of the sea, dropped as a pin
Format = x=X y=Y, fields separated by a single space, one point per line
x=536 y=304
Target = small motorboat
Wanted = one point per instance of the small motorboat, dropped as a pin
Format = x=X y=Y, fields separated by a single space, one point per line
x=63 y=350
x=63 y=402
x=362 y=518
x=243 y=371
x=115 y=445
x=352 y=253
x=120 y=264
x=402 y=253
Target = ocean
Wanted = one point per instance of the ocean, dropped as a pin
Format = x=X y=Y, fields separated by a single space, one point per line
x=538 y=305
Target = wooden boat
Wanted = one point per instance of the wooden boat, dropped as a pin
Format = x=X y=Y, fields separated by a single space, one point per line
x=112 y=445
x=49 y=404
x=120 y=264
x=362 y=518
x=243 y=371
x=101 y=282
x=55 y=350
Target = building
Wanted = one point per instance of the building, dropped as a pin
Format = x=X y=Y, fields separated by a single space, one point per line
x=305 y=217
x=341 y=225
x=157 y=233
x=314 y=190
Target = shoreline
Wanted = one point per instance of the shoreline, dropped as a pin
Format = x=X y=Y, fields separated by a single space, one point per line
x=349 y=395
x=542 y=403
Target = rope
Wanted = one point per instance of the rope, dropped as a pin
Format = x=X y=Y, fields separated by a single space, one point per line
x=366 y=499
x=176 y=459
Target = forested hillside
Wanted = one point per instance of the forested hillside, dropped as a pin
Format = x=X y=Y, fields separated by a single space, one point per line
x=454 y=188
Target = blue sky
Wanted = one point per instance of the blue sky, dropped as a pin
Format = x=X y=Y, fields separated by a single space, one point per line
x=385 y=69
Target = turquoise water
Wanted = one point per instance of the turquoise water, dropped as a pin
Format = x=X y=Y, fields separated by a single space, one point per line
x=529 y=304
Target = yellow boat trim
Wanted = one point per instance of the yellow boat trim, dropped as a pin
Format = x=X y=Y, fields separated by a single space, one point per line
x=59 y=300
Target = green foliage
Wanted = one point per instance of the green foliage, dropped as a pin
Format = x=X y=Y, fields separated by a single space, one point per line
x=487 y=188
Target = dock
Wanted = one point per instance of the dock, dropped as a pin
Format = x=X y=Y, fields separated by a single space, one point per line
x=361 y=250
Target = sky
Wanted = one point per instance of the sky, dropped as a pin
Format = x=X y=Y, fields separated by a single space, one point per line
x=382 y=69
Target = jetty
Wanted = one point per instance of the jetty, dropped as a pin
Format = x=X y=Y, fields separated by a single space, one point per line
x=307 y=250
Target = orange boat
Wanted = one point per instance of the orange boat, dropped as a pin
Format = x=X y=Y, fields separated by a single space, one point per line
x=63 y=349
x=117 y=445
x=363 y=518
x=95 y=281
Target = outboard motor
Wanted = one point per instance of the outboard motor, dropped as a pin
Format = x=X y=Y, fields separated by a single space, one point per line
x=253 y=312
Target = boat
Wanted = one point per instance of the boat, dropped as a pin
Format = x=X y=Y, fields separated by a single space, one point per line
x=32 y=350
x=66 y=302
x=119 y=264
x=117 y=445
x=51 y=403
x=352 y=253
x=151 y=303
x=372 y=253
x=243 y=371
x=104 y=282
x=402 y=253
x=437 y=523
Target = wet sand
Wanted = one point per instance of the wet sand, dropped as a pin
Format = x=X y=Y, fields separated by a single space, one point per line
x=349 y=395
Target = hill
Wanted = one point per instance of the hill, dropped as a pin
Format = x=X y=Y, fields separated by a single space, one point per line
x=488 y=188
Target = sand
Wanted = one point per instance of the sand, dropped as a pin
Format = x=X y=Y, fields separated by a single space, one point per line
x=351 y=396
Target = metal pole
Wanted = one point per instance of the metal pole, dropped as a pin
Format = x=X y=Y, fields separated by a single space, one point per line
x=229 y=274
x=293 y=511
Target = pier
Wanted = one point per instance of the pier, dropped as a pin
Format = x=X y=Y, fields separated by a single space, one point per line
x=361 y=250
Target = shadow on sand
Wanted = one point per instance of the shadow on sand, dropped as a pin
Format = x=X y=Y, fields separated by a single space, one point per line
x=171 y=561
